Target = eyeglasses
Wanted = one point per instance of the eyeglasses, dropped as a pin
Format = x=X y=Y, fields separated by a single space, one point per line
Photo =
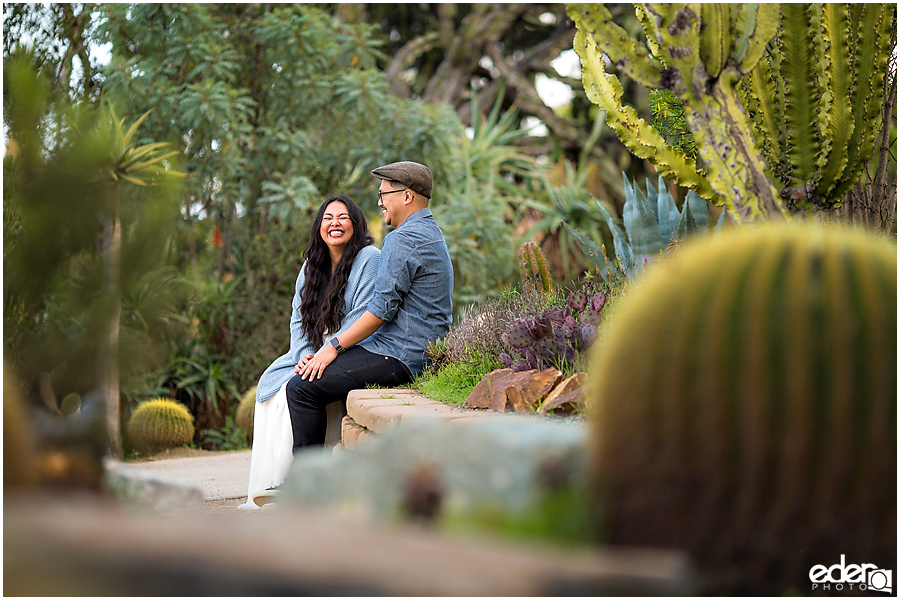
x=381 y=195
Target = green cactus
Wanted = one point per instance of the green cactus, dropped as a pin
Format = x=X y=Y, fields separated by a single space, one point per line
x=533 y=265
x=243 y=417
x=160 y=423
x=744 y=406
x=788 y=123
x=815 y=106
x=701 y=53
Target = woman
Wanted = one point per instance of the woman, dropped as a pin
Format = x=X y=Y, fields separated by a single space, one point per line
x=335 y=284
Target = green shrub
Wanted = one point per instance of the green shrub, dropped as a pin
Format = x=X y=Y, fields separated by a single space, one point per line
x=160 y=423
x=745 y=406
x=228 y=438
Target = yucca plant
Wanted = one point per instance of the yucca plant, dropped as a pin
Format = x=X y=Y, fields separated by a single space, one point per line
x=744 y=406
x=136 y=164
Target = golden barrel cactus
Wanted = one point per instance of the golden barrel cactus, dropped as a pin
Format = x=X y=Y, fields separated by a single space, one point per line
x=160 y=423
x=244 y=416
x=744 y=406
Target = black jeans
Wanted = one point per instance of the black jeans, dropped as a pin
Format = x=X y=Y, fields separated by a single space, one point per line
x=354 y=369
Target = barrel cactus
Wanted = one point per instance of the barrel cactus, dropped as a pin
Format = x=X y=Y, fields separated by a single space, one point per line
x=244 y=416
x=744 y=406
x=160 y=423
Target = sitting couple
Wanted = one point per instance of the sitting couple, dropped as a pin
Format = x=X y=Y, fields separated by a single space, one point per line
x=371 y=313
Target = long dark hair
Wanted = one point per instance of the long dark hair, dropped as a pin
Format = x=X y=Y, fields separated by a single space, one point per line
x=322 y=296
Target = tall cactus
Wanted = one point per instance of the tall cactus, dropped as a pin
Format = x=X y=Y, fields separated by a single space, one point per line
x=809 y=97
x=745 y=406
x=701 y=51
x=816 y=105
x=533 y=266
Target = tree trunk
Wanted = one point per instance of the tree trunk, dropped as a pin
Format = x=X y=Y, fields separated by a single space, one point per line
x=108 y=356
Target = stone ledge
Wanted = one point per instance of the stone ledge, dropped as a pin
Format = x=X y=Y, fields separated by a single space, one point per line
x=377 y=410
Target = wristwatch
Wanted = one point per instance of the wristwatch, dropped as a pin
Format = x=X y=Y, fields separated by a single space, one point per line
x=337 y=345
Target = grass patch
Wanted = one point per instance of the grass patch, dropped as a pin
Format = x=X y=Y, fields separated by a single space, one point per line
x=453 y=382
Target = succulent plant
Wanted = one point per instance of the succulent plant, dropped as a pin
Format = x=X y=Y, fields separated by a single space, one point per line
x=160 y=423
x=533 y=266
x=745 y=406
x=243 y=417
x=557 y=333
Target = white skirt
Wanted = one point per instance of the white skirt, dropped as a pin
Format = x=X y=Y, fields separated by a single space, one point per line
x=273 y=441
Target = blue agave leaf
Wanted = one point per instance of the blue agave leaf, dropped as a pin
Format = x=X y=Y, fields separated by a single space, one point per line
x=667 y=210
x=622 y=247
x=686 y=224
x=699 y=210
x=652 y=198
x=721 y=222
x=642 y=228
x=590 y=249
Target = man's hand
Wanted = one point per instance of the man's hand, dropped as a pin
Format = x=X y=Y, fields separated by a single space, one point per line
x=315 y=365
x=302 y=363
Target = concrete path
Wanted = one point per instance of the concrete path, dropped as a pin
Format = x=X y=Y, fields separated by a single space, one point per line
x=219 y=476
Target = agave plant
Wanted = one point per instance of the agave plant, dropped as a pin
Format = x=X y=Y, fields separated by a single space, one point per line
x=652 y=222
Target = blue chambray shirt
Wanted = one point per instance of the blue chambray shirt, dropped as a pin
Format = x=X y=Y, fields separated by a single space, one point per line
x=413 y=291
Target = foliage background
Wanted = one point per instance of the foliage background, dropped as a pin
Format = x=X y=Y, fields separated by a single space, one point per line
x=273 y=107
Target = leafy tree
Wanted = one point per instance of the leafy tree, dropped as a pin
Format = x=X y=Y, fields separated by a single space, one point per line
x=58 y=36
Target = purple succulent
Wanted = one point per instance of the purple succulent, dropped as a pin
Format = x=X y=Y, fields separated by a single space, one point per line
x=598 y=301
x=570 y=322
x=556 y=314
x=520 y=365
x=506 y=359
x=543 y=327
x=590 y=317
x=520 y=334
x=588 y=333
x=577 y=300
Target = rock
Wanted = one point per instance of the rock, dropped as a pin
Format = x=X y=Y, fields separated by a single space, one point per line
x=521 y=391
x=482 y=395
x=567 y=404
x=525 y=390
x=566 y=397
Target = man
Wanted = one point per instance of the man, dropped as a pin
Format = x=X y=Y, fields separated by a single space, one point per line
x=412 y=306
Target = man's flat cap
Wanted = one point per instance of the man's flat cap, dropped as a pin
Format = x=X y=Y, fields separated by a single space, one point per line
x=411 y=174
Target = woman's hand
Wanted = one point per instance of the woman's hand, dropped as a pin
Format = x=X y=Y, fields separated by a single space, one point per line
x=314 y=367
x=302 y=363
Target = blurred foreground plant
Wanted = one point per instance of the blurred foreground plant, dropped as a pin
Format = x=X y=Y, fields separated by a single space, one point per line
x=85 y=211
x=766 y=441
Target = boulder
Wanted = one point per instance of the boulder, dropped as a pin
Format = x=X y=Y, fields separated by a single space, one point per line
x=483 y=394
x=566 y=398
x=521 y=391
x=525 y=390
